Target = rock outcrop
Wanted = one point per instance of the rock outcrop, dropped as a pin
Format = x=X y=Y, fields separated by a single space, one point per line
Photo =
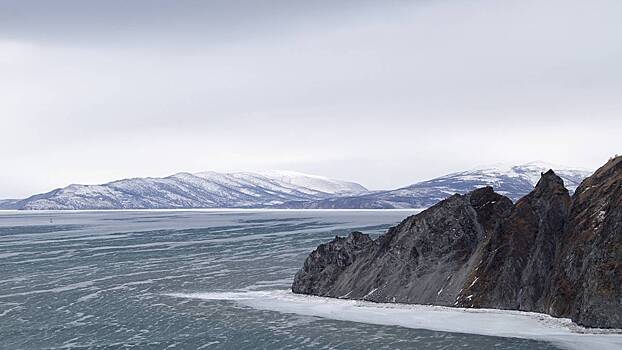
x=587 y=283
x=519 y=255
x=547 y=253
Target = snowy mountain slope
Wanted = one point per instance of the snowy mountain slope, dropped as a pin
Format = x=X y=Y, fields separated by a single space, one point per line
x=185 y=190
x=319 y=183
x=286 y=189
x=512 y=181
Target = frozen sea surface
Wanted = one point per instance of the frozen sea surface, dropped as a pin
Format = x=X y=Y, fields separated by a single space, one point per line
x=213 y=280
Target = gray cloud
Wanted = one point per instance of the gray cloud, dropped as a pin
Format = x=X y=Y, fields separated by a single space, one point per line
x=163 y=23
x=383 y=93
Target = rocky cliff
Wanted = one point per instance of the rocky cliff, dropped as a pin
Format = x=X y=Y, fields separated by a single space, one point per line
x=587 y=281
x=547 y=253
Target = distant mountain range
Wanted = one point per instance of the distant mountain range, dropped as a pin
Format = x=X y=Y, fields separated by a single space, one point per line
x=511 y=181
x=185 y=190
x=285 y=189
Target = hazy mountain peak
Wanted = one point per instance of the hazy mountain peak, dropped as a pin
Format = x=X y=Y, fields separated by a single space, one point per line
x=317 y=182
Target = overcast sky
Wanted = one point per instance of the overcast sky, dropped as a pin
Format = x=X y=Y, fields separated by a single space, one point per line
x=385 y=93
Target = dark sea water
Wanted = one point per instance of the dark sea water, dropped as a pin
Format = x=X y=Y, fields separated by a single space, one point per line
x=103 y=280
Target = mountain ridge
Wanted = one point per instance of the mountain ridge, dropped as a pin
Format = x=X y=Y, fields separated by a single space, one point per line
x=515 y=182
x=187 y=190
x=282 y=189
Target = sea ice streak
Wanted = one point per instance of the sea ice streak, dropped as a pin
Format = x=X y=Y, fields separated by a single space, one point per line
x=489 y=322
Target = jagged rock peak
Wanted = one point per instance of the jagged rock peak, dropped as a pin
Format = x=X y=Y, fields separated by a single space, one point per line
x=550 y=183
x=516 y=260
x=485 y=196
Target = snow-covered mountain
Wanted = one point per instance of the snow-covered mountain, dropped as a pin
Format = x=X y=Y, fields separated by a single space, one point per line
x=186 y=190
x=287 y=189
x=316 y=182
x=511 y=181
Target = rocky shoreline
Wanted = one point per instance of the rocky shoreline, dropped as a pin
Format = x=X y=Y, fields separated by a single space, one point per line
x=548 y=253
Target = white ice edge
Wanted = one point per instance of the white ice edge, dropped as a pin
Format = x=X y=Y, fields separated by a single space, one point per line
x=489 y=322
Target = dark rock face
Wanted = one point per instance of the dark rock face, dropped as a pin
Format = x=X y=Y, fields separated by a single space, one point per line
x=518 y=257
x=587 y=284
x=425 y=259
x=547 y=253
x=325 y=264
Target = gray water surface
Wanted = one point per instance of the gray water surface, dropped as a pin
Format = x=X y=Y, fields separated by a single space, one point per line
x=99 y=280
